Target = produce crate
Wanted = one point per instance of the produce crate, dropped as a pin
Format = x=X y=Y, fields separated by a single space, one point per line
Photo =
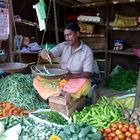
x=95 y=42
x=86 y=28
x=66 y=105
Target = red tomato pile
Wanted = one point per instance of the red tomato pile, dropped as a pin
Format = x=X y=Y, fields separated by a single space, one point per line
x=121 y=131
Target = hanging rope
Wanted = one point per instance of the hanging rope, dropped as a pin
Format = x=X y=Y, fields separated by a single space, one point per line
x=55 y=22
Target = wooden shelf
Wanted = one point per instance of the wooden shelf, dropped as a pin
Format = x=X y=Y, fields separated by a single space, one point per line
x=25 y=22
x=121 y=52
x=122 y=1
x=98 y=50
x=90 y=4
x=126 y=29
x=92 y=35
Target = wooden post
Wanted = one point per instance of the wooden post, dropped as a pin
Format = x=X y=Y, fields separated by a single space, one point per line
x=136 y=103
x=10 y=49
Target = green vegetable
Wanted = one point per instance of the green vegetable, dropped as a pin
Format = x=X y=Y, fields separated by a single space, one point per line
x=100 y=115
x=18 y=89
x=122 y=81
x=84 y=131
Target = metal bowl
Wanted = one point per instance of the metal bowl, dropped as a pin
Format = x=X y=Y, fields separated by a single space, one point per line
x=56 y=72
x=13 y=67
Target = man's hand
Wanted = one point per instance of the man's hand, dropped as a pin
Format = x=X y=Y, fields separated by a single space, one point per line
x=44 y=54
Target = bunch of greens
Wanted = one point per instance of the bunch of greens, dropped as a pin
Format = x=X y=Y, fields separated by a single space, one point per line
x=18 y=89
x=122 y=81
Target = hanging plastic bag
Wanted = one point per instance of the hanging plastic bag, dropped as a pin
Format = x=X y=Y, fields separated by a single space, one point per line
x=4 y=20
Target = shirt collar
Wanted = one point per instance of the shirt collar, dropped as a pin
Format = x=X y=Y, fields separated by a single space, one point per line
x=80 y=47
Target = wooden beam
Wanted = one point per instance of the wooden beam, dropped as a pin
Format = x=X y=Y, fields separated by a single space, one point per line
x=10 y=49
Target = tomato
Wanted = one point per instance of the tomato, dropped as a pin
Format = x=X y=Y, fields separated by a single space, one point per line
x=109 y=138
x=114 y=125
x=120 y=122
x=118 y=132
x=120 y=125
x=102 y=130
x=127 y=138
x=121 y=136
x=128 y=134
x=124 y=129
x=115 y=138
x=112 y=134
x=108 y=130
x=113 y=129
x=126 y=125
x=135 y=137
x=138 y=132
x=132 y=125
x=132 y=130
x=104 y=134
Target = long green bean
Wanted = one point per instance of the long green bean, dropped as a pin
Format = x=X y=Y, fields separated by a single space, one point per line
x=18 y=89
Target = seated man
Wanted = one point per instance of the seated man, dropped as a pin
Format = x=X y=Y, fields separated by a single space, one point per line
x=75 y=56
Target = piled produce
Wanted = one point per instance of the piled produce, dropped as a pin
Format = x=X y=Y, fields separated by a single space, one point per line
x=121 y=131
x=99 y=115
x=132 y=116
x=8 y=109
x=50 y=117
x=79 y=132
x=30 y=129
x=122 y=81
x=18 y=89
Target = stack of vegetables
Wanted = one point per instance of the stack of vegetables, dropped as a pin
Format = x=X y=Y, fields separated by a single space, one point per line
x=8 y=109
x=101 y=114
x=122 y=81
x=132 y=116
x=121 y=131
x=79 y=132
x=30 y=130
x=18 y=89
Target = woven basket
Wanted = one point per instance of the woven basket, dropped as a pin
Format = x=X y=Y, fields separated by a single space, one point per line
x=86 y=28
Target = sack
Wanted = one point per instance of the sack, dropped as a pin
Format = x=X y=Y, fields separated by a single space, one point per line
x=124 y=21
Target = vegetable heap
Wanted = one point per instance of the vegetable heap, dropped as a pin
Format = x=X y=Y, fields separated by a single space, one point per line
x=122 y=81
x=18 y=89
x=31 y=130
x=7 y=109
x=79 y=132
x=132 y=116
x=121 y=131
x=51 y=116
x=101 y=114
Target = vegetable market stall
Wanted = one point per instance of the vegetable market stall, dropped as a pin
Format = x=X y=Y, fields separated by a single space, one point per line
x=19 y=103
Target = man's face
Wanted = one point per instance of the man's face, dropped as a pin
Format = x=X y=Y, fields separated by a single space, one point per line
x=71 y=37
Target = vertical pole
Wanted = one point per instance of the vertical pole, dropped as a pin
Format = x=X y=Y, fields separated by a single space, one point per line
x=136 y=103
x=55 y=22
x=10 y=32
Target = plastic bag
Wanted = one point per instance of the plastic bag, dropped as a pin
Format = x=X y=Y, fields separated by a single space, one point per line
x=124 y=21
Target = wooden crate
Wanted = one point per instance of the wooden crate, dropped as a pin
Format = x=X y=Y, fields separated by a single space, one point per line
x=66 y=105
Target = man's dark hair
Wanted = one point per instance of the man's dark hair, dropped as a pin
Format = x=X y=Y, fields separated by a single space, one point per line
x=73 y=26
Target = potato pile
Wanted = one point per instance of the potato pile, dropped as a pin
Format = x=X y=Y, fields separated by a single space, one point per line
x=132 y=116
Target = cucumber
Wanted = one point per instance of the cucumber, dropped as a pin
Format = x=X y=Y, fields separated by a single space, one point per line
x=84 y=131
x=72 y=128
x=67 y=130
x=93 y=129
x=75 y=137
x=62 y=135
